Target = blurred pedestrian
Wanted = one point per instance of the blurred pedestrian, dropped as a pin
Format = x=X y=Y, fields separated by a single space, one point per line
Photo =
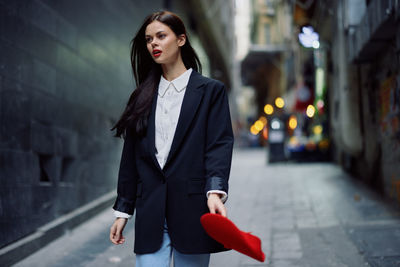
x=177 y=150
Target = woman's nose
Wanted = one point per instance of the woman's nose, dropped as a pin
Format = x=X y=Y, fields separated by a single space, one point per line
x=154 y=43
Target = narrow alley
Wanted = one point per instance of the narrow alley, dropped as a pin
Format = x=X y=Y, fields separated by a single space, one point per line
x=310 y=214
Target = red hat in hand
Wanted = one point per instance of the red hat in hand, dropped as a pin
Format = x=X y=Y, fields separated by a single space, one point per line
x=225 y=232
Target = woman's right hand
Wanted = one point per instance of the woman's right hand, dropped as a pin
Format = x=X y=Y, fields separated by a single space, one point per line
x=116 y=231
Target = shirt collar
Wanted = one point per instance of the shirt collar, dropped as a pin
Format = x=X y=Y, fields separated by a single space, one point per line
x=178 y=83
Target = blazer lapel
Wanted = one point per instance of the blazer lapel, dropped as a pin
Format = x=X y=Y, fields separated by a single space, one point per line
x=151 y=132
x=191 y=100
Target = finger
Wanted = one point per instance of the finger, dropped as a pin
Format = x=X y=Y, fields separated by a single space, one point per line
x=212 y=209
x=223 y=211
x=112 y=234
x=121 y=237
x=117 y=236
x=114 y=241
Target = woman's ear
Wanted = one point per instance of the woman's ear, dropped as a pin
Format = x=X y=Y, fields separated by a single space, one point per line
x=181 y=40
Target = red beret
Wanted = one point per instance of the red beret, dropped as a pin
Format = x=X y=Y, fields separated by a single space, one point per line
x=225 y=232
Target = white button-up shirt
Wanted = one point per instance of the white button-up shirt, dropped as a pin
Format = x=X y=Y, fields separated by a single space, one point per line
x=169 y=103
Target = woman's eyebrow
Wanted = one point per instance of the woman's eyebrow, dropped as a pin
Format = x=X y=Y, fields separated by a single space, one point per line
x=156 y=33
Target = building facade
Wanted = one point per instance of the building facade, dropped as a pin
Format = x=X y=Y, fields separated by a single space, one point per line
x=364 y=81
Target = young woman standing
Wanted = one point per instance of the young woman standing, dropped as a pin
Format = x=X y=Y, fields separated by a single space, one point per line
x=177 y=151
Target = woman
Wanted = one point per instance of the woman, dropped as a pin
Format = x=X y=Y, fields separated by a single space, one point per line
x=177 y=149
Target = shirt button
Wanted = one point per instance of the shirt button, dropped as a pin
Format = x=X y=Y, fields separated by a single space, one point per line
x=165 y=111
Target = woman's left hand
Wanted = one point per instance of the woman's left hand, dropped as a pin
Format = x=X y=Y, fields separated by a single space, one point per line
x=215 y=204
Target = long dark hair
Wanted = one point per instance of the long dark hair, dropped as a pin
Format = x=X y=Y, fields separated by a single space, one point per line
x=147 y=74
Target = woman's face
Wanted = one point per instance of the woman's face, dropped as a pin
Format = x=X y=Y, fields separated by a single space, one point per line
x=162 y=43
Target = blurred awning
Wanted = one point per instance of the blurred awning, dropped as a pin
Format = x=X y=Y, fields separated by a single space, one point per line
x=260 y=55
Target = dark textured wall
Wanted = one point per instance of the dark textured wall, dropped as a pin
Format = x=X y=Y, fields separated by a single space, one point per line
x=65 y=78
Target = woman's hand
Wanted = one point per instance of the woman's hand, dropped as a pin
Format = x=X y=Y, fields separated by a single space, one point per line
x=215 y=204
x=116 y=231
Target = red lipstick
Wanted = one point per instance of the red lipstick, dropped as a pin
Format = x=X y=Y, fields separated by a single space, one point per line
x=157 y=52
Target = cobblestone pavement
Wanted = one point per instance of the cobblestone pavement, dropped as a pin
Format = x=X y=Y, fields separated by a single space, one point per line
x=309 y=214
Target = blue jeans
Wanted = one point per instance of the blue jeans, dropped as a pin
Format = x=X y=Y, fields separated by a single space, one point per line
x=162 y=257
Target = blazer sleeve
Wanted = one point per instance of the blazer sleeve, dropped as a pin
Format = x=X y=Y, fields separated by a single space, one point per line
x=219 y=141
x=127 y=178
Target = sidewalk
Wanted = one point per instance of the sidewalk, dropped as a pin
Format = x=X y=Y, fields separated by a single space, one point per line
x=305 y=214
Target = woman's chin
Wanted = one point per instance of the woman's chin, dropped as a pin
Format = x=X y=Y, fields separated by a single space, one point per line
x=158 y=61
x=161 y=62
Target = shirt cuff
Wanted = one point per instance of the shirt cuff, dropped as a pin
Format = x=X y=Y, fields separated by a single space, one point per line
x=120 y=214
x=223 y=198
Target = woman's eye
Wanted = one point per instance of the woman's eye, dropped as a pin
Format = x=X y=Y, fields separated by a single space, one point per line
x=148 y=40
x=161 y=36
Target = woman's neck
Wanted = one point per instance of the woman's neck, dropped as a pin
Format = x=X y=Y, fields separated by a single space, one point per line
x=174 y=70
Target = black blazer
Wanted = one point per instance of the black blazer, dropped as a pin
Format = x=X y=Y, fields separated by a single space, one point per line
x=199 y=160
